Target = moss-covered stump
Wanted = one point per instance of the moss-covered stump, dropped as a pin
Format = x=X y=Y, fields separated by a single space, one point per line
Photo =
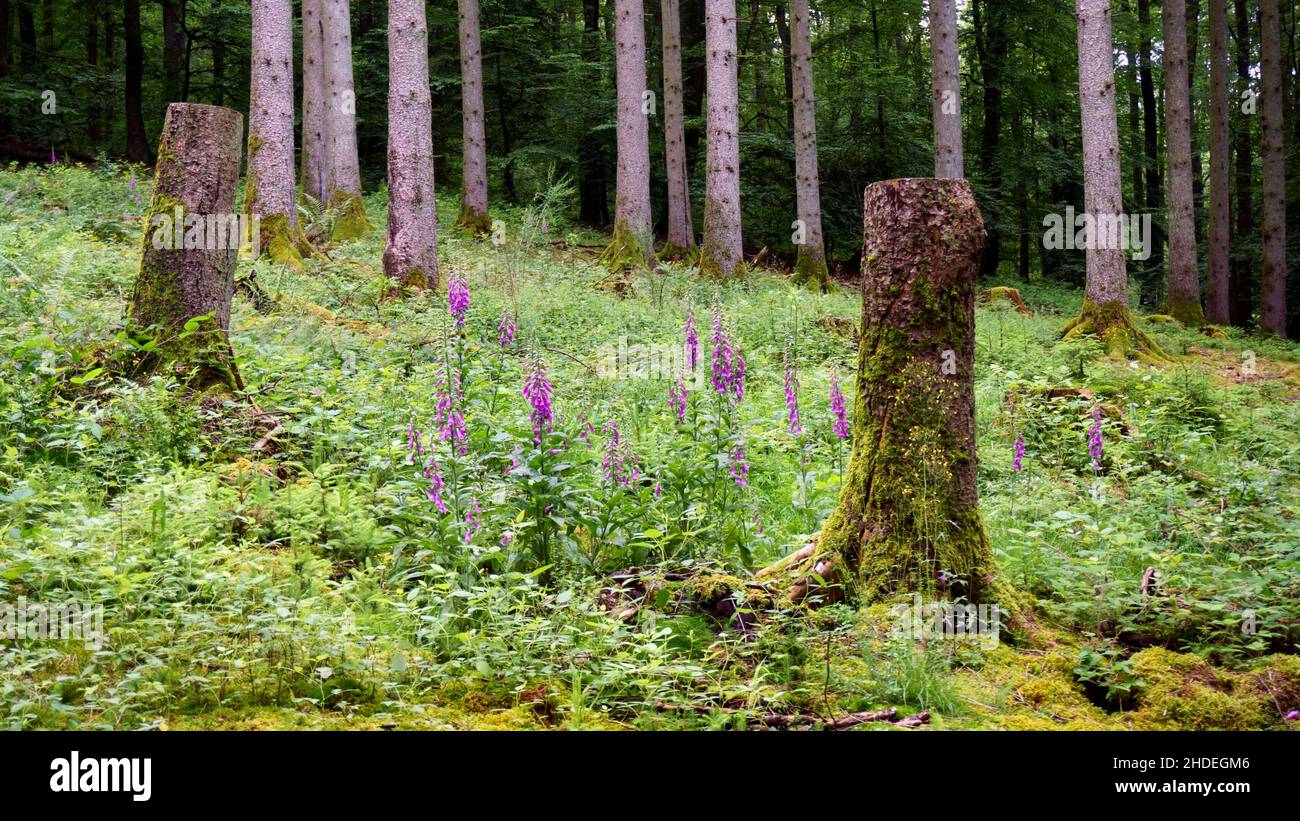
x=352 y=221
x=183 y=289
x=677 y=253
x=1002 y=293
x=1188 y=312
x=908 y=516
x=1114 y=324
x=282 y=242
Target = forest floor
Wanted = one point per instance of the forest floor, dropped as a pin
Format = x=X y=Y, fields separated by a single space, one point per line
x=290 y=569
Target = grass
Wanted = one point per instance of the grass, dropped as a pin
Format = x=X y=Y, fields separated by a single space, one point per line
x=313 y=583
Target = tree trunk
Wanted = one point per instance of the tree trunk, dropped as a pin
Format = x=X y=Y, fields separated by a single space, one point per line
x=1217 y=303
x=1106 y=309
x=411 y=255
x=1242 y=269
x=787 y=63
x=474 y=192
x=681 y=232
x=593 y=200
x=313 y=101
x=945 y=71
x=343 y=170
x=1154 y=265
x=1183 y=292
x=183 y=293
x=137 y=145
x=270 y=194
x=173 y=48
x=908 y=515
x=632 y=245
x=1198 y=170
x=1272 y=296
x=810 y=268
x=722 y=253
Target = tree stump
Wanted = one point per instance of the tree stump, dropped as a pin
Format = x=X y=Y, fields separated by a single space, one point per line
x=908 y=517
x=192 y=237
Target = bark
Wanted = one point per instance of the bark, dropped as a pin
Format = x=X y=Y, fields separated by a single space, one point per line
x=343 y=169
x=1217 y=301
x=681 y=232
x=1272 y=296
x=633 y=243
x=945 y=72
x=1151 y=141
x=908 y=515
x=1183 y=292
x=313 y=101
x=198 y=173
x=411 y=254
x=810 y=267
x=1198 y=169
x=270 y=193
x=722 y=253
x=1242 y=269
x=787 y=63
x=173 y=16
x=137 y=146
x=1105 y=308
x=474 y=192
x=593 y=200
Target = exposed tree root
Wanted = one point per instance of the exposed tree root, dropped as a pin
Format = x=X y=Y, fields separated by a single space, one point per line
x=1006 y=294
x=1114 y=325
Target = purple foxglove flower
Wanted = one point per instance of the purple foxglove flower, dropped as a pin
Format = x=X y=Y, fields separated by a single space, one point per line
x=841 y=424
x=506 y=330
x=458 y=299
x=471 y=520
x=739 y=466
x=792 y=394
x=677 y=398
x=1094 y=438
x=538 y=391
x=1020 y=453
x=434 y=474
x=692 y=341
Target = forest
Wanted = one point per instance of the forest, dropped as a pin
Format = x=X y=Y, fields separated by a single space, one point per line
x=781 y=365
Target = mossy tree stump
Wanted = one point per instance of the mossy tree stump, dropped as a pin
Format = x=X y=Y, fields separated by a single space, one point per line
x=198 y=175
x=908 y=518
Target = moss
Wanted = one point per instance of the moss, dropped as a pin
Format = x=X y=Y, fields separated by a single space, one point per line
x=627 y=251
x=352 y=222
x=1114 y=325
x=676 y=253
x=1002 y=293
x=280 y=242
x=1183 y=691
x=478 y=223
x=810 y=269
x=1188 y=312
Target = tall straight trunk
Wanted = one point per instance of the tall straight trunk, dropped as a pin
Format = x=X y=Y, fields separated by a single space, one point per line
x=681 y=232
x=270 y=193
x=1105 y=308
x=1242 y=270
x=908 y=517
x=1135 y=125
x=787 y=63
x=993 y=57
x=343 y=169
x=474 y=186
x=810 y=267
x=197 y=174
x=1217 y=303
x=1198 y=168
x=722 y=253
x=5 y=59
x=411 y=253
x=314 y=160
x=593 y=202
x=137 y=145
x=945 y=72
x=27 y=32
x=633 y=241
x=1151 y=140
x=173 y=15
x=1272 y=296
x=1183 y=292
